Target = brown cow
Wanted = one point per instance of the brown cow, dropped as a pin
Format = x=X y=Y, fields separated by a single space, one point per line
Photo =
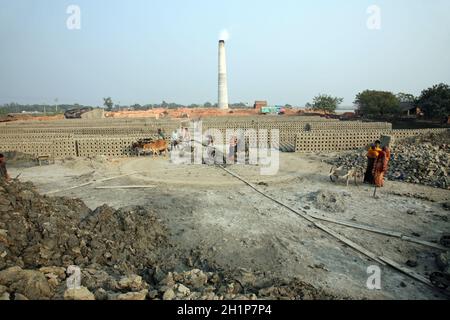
x=156 y=147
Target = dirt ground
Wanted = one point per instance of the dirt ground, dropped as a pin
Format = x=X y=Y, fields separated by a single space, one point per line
x=231 y=226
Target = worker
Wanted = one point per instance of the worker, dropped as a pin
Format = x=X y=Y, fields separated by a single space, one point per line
x=378 y=145
x=186 y=137
x=175 y=139
x=4 y=176
x=161 y=134
x=232 y=149
x=381 y=166
x=372 y=155
x=210 y=150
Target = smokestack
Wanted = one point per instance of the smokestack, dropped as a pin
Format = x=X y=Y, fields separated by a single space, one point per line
x=223 y=83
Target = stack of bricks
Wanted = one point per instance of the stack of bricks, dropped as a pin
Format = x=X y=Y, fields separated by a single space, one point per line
x=344 y=140
x=114 y=137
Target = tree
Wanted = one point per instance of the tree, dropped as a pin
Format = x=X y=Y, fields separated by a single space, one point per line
x=326 y=103
x=435 y=101
x=207 y=105
x=406 y=97
x=108 y=103
x=377 y=103
x=238 y=105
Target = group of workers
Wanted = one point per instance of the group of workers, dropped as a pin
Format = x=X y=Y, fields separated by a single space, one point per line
x=378 y=164
x=180 y=137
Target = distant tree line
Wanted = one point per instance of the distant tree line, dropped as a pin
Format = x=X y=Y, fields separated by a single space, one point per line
x=39 y=108
x=171 y=105
x=433 y=102
x=108 y=104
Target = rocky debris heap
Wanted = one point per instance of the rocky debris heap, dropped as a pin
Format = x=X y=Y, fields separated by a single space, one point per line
x=328 y=201
x=419 y=160
x=42 y=231
x=119 y=254
x=442 y=262
x=49 y=283
x=244 y=285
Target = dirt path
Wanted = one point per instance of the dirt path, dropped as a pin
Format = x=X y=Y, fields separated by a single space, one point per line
x=231 y=226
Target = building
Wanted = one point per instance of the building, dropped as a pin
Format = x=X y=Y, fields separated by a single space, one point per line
x=259 y=105
x=408 y=109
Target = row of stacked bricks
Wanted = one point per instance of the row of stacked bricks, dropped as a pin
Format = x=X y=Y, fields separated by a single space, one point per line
x=51 y=146
x=61 y=139
x=267 y=130
x=114 y=137
x=344 y=140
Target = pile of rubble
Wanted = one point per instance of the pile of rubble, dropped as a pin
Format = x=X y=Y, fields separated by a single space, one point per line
x=97 y=284
x=43 y=231
x=328 y=201
x=419 y=160
x=118 y=254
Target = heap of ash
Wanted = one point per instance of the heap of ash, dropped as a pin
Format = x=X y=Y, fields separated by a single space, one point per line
x=419 y=160
x=120 y=254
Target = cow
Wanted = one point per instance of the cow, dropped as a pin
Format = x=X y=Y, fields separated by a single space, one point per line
x=347 y=174
x=141 y=142
x=156 y=147
x=138 y=147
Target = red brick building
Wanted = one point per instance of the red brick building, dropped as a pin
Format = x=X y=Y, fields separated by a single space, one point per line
x=260 y=104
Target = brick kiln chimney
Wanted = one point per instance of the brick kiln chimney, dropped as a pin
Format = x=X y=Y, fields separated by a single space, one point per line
x=223 y=83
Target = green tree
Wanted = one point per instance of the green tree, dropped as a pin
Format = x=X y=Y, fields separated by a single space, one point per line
x=377 y=103
x=435 y=101
x=208 y=105
x=108 y=103
x=406 y=97
x=326 y=103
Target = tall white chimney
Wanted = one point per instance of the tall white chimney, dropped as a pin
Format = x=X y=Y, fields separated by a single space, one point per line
x=223 y=82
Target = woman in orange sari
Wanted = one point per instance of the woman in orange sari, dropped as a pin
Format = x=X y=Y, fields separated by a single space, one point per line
x=381 y=166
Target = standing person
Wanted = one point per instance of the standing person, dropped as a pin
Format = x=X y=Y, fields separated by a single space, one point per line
x=186 y=137
x=210 y=150
x=161 y=134
x=381 y=166
x=378 y=145
x=4 y=176
x=175 y=137
x=232 y=149
x=372 y=155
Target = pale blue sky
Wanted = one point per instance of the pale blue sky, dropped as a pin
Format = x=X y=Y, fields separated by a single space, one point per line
x=287 y=51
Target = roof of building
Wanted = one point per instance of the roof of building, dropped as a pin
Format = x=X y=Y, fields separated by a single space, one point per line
x=405 y=106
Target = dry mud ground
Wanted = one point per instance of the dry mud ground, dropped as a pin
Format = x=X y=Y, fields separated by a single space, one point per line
x=231 y=226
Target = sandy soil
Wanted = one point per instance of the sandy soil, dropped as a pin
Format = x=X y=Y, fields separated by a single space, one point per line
x=231 y=226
